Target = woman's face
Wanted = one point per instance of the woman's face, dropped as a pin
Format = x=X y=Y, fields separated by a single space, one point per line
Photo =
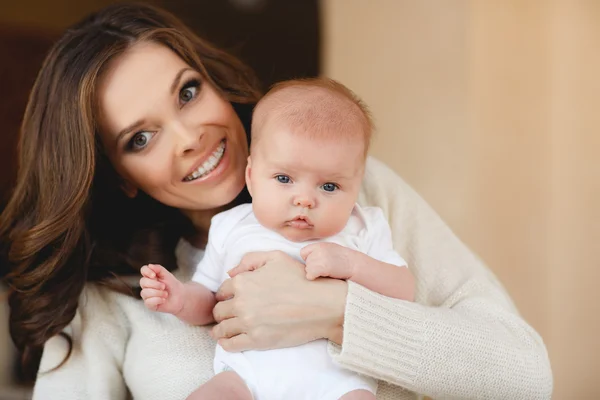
x=168 y=132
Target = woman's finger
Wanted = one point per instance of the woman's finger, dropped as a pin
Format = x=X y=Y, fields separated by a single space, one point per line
x=250 y=262
x=239 y=269
x=224 y=310
x=226 y=291
x=237 y=343
x=227 y=328
x=147 y=283
x=148 y=293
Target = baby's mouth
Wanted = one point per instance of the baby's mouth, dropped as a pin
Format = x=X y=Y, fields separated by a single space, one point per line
x=301 y=222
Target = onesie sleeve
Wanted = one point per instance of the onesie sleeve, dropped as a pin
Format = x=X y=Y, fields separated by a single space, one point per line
x=210 y=272
x=379 y=237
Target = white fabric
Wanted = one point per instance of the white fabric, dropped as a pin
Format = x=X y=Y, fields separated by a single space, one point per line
x=305 y=372
x=461 y=339
x=281 y=373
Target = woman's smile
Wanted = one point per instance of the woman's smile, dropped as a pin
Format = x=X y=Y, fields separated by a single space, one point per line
x=212 y=168
x=208 y=165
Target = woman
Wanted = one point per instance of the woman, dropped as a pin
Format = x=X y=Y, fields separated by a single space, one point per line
x=128 y=105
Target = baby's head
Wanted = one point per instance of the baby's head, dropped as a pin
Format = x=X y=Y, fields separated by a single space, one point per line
x=309 y=146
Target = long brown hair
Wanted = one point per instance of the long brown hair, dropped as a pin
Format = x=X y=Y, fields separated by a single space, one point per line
x=67 y=222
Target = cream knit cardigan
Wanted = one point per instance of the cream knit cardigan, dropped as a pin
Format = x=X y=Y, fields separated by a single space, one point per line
x=461 y=339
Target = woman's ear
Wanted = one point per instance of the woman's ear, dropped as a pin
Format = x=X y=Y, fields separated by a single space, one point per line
x=248 y=172
x=129 y=190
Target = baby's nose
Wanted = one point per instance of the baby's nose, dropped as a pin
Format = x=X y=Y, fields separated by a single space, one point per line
x=304 y=201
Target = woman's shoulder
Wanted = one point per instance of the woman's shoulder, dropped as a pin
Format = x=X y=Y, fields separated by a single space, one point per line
x=376 y=169
x=99 y=322
x=116 y=336
x=101 y=303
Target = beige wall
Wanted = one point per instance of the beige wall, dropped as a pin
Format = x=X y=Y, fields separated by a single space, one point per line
x=490 y=110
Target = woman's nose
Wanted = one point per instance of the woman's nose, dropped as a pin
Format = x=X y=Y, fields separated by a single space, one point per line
x=188 y=139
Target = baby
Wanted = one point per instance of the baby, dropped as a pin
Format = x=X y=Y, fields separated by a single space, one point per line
x=309 y=146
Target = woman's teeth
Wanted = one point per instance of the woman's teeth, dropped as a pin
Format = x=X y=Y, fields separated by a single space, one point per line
x=208 y=165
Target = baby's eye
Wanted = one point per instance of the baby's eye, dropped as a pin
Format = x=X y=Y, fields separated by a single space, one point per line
x=330 y=187
x=140 y=140
x=283 y=178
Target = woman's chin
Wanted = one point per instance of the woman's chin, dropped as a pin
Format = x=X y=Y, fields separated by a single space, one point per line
x=228 y=194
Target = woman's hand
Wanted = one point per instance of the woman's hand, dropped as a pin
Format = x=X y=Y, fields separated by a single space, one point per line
x=275 y=306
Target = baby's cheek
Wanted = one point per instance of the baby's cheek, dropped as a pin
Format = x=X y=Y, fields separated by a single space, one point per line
x=334 y=222
x=266 y=214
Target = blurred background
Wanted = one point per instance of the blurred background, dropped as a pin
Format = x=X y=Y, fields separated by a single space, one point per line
x=488 y=108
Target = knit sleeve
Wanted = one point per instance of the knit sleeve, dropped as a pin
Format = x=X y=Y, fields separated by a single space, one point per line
x=462 y=338
x=93 y=369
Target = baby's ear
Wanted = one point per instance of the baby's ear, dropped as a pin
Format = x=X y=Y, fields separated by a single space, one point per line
x=129 y=190
x=248 y=172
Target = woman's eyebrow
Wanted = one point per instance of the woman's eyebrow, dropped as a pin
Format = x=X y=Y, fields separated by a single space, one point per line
x=128 y=129
x=175 y=83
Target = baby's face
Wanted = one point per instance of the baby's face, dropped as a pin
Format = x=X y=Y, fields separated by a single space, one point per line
x=304 y=188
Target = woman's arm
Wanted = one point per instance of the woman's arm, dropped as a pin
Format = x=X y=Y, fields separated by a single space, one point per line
x=472 y=346
x=93 y=370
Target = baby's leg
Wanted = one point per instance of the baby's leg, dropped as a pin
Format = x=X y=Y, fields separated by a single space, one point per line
x=224 y=386
x=360 y=394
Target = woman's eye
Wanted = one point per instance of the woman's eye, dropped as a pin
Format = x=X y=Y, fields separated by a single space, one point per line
x=189 y=91
x=140 y=140
x=283 y=178
x=330 y=187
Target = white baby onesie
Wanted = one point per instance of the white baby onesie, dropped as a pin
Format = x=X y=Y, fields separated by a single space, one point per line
x=304 y=372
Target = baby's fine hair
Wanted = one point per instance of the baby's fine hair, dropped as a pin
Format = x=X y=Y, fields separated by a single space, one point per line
x=317 y=107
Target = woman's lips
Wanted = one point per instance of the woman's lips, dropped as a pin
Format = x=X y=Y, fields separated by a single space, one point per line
x=217 y=172
x=205 y=158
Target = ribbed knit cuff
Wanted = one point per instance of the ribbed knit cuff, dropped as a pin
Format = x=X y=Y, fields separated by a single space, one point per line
x=383 y=337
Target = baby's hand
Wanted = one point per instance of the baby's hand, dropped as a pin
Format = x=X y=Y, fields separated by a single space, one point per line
x=161 y=291
x=328 y=260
